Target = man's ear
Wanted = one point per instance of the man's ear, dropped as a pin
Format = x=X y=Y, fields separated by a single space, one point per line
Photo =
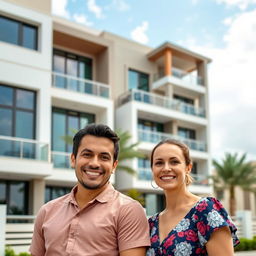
x=114 y=166
x=72 y=160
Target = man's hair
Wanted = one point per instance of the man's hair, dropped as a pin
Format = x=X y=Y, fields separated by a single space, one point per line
x=97 y=130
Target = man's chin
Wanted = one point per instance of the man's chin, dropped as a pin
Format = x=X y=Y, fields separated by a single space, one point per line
x=92 y=186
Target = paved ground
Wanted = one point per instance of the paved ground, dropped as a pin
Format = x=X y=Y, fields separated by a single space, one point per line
x=250 y=253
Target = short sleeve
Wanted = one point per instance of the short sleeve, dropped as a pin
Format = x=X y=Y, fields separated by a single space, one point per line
x=133 y=230
x=37 y=246
x=211 y=217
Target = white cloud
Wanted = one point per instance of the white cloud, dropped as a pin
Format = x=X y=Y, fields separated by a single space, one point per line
x=94 y=8
x=241 y=4
x=82 y=19
x=59 y=8
x=232 y=88
x=121 y=5
x=139 y=33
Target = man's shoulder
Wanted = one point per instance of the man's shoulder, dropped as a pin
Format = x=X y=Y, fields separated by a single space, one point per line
x=57 y=201
x=125 y=200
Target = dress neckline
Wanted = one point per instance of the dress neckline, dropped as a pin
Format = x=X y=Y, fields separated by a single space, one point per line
x=171 y=231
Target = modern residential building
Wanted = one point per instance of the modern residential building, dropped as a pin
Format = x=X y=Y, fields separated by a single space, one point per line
x=57 y=76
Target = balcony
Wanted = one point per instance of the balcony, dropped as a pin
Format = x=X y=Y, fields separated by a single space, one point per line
x=24 y=148
x=81 y=85
x=161 y=101
x=199 y=179
x=61 y=160
x=155 y=137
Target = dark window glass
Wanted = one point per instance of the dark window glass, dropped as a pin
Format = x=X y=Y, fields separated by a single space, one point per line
x=138 y=80
x=2 y=192
x=184 y=99
x=59 y=130
x=5 y=122
x=150 y=125
x=24 y=125
x=29 y=37
x=58 y=63
x=17 y=115
x=25 y=99
x=9 y=30
x=6 y=95
x=186 y=133
x=15 y=196
x=65 y=122
x=194 y=168
x=18 y=33
x=52 y=192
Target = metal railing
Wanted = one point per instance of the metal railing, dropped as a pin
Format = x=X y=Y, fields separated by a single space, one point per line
x=183 y=76
x=24 y=148
x=61 y=160
x=155 y=137
x=77 y=84
x=200 y=179
x=161 y=101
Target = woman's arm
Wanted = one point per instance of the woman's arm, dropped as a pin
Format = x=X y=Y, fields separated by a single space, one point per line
x=220 y=243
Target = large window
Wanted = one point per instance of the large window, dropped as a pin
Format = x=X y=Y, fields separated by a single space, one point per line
x=15 y=195
x=19 y=33
x=65 y=122
x=74 y=66
x=138 y=80
x=52 y=192
x=187 y=133
x=17 y=119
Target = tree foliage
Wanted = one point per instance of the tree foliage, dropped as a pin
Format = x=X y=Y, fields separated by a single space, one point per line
x=233 y=171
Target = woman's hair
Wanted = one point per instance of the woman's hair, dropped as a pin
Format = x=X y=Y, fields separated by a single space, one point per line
x=185 y=150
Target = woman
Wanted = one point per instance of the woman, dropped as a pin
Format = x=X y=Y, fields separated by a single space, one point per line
x=189 y=225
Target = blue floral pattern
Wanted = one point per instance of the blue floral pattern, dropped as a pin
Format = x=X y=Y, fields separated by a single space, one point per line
x=191 y=234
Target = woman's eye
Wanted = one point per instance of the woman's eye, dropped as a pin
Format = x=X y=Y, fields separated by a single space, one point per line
x=158 y=163
x=175 y=162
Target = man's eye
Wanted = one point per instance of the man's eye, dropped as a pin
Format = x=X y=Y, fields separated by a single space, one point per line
x=104 y=157
x=86 y=154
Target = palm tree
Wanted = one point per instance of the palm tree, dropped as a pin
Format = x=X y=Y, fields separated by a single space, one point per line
x=126 y=151
x=234 y=172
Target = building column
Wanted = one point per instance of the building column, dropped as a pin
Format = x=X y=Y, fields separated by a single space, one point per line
x=168 y=62
x=37 y=195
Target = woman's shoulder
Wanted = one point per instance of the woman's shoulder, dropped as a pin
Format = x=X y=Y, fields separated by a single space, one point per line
x=154 y=217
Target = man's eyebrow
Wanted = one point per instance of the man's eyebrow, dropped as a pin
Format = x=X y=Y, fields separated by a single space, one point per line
x=105 y=153
x=86 y=150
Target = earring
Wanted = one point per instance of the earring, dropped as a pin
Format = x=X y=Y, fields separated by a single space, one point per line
x=186 y=179
x=152 y=185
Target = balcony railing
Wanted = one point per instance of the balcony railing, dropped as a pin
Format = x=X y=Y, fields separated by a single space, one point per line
x=61 y=160
x=161 y=101
x=199 y=179
x=184 y=76
x=24 y=148
x=77 y=84
x=155 y=137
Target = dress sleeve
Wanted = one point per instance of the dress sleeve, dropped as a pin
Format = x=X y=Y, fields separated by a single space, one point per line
x=133 y=230
x=211 y=217
x=37 y=246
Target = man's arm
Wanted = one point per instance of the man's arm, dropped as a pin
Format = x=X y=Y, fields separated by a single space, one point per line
x=140 y=251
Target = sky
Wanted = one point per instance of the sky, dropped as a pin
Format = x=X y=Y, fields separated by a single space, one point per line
x=223 y=30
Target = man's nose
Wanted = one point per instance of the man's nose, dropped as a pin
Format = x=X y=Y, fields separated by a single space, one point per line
x=94 y=162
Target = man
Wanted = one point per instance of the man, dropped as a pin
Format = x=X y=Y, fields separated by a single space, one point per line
x=94 y=219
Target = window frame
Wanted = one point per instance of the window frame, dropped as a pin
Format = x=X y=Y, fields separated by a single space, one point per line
x=20 y=35
x=139 y=77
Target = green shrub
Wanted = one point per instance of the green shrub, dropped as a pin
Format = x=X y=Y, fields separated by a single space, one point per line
x=10 y=252
x=246 y=244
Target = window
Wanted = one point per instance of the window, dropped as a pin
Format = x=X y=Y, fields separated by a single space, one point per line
x=138 y=80
x=194 y=169
x=17 y=119
x=15 y=195
x=144 y=170
x=73 y=66
x=19 y=33
x=187 y=133
x=184 y=99
x=52 y=192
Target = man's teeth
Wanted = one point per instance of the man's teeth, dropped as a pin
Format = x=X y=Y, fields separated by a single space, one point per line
x=168 y=177
x=93 y=173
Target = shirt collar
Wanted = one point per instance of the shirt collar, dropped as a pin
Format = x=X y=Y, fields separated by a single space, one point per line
x=103 y=197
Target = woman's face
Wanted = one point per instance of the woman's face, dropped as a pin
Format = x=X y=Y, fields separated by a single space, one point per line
x=169 y=167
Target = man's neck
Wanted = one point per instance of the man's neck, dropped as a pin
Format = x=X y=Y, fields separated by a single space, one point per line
x=83 y=196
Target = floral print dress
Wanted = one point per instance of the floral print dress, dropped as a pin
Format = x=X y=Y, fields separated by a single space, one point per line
x=191 y=234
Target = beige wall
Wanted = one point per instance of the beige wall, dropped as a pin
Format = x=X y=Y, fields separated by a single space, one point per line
x=38 y=5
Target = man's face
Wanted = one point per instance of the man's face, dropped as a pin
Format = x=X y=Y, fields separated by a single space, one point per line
x=94 y=162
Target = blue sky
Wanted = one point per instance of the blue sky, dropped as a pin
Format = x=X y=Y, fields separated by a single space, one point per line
x=224 y=30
